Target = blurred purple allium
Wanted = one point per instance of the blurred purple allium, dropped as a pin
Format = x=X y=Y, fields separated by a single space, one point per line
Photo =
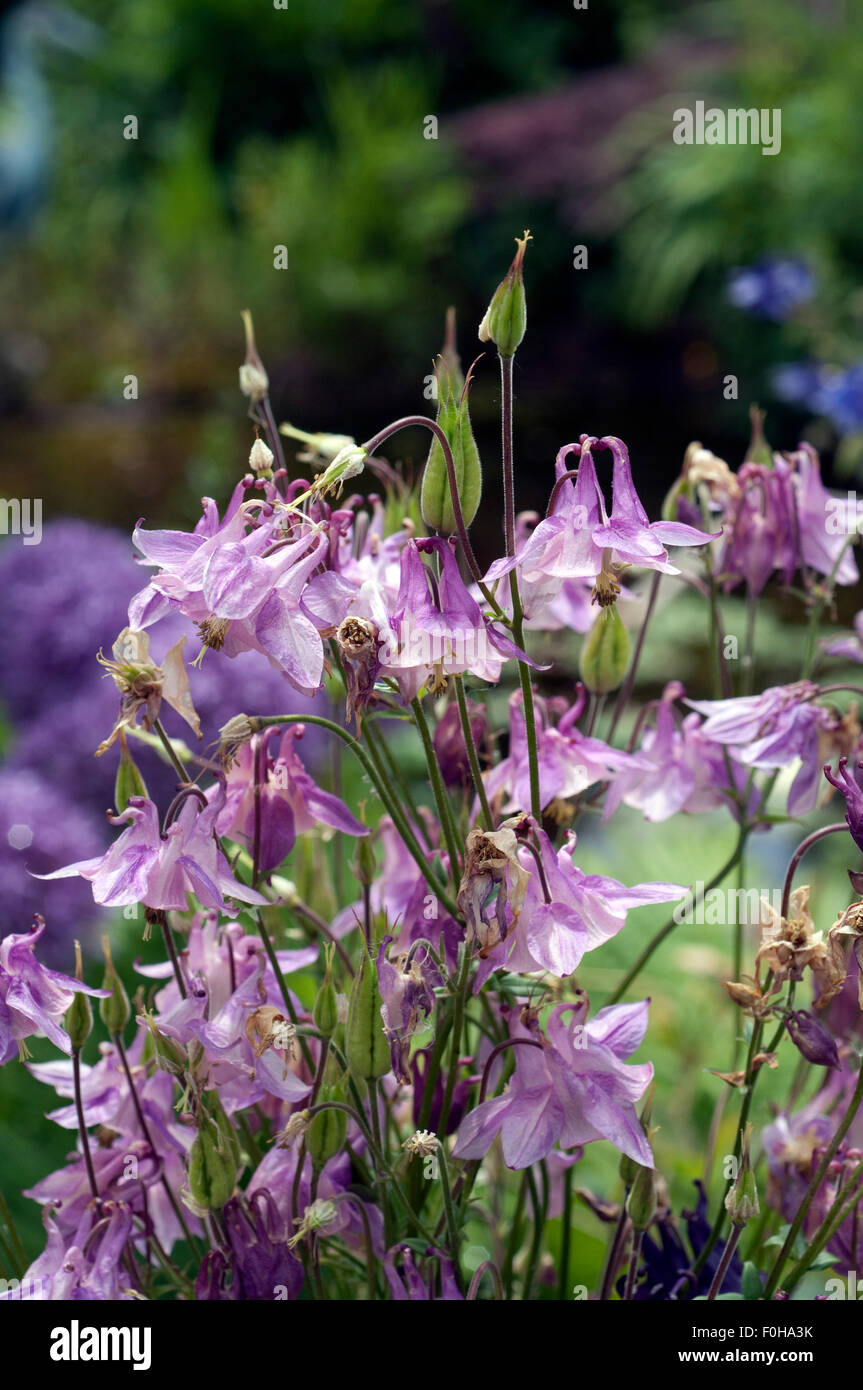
x=41 y=827
x=63 y=600
x=772 y=288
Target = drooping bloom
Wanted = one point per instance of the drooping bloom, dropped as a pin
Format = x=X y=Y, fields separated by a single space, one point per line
x=580 y=540
x=258 y=1263
x=408 y=1285
x=160 y=869
x=290 y=801
x=33 y=999
x=564 y=913
x=86 y=1267
x=772 y=730
x=572 y=1089
x=569 y=761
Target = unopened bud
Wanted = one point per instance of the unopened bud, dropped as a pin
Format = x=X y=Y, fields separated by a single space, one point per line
x=505 y=318
x=78 y=1021
x=254 y=381
x=366 y=1047
x=641 y=1202
x=741 y=1202
x=605 y=654
x=812 y=1039
x=129 y=781
x=453 y=417
x=114 y=1010
x=326 y=1007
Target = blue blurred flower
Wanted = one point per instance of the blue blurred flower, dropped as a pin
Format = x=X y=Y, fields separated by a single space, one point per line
x=836 y=392
x=772 y=288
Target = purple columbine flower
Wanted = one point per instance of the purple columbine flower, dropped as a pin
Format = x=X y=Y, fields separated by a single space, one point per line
x=291 y=802
x=33 y=999
x=566 y=913
x=258 y=1264
x=572 y=1090
x=159 y=870
x=569 y=761
x=850 y=645
x=845 y=782
x=87 y=1267
x=770 y=730
x=408 y=1285
x=580 y=540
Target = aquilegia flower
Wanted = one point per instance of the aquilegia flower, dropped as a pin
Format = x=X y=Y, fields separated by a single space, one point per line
x=33 y=999
x=572 y=1089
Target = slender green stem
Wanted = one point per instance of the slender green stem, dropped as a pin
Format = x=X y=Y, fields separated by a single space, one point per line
x=517 y=610
x=629 y=684
x=82 y=1127
x=725 y=1261
x=455 y=1046
x=440 y=793
x=472 y=755
x=566 y=1237
x=846 y=1200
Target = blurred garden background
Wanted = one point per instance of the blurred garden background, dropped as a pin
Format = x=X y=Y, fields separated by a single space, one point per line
x=306 y=127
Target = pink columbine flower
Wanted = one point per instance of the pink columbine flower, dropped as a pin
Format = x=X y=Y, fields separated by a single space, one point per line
x=159 y=869
x=33 y=999
x=572 y=1090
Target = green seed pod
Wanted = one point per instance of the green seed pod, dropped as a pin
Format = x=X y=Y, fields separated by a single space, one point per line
x=453 y=417
x=228 y=1134
x=364 y=864
x=212 y=1169
x=114 y=1011
x=506 y=316
x=605 y=654
x=741 y=1203
x=328 y=1129
x=758 y=450
x=366 y=1047
x=129 y=781
x=641 y=1203
x=326 y=1008
x=78 y=1021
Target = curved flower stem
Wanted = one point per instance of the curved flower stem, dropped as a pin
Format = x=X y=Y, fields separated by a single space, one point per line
x=517 y=610
x=381 y=754
x=666 y=931
x=725 y=1261
x=820 y=1173
x=627 y=687
x=472 y=755
x=798 y=855
x=514 y=1235
x=495 y=1052
x=424 y=422
x=829 y=690
x=487 y=1267
x=440 y=793
x=390 y=804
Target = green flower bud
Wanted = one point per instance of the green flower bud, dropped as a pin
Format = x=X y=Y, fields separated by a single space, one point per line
x=212 y=1169
x=365 y=864
x=641 y=1203
x=758 y=451
x=605 y=654
x=129 y=781
x=453 y=417
x=628 y=1168
x=114 y=1011
x=366 y=1047
x=741 y=1203
x=506 y=316
x=326 y=1008
x=78 y=1021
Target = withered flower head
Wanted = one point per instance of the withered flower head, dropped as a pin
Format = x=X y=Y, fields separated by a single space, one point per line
x=143 y=685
